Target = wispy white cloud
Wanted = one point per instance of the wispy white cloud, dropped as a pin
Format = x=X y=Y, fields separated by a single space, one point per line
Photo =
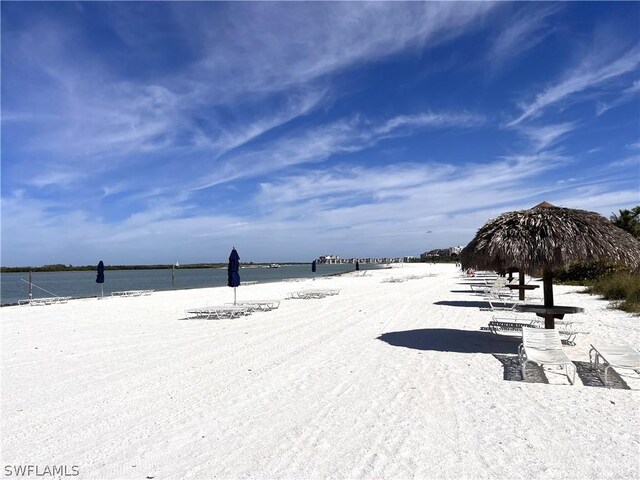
x=340 y=35
x=544 y=136
x=319 y=143
x=230 y=138
x=401 y=189
x=527 y=28
x=594 y=70
x=129 y=148
x=98 y=120
x=625 y=96
x=626 y=162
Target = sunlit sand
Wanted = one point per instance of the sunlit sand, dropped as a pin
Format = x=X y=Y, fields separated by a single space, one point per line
x=385 y=380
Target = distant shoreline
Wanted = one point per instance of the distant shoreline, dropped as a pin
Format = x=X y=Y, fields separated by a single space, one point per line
x=84 y=268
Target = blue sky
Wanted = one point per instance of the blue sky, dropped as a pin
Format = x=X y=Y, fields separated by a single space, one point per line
x=163 y=132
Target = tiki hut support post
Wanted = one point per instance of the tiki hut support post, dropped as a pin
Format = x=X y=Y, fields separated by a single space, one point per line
x=547 y=287
x=521 y=282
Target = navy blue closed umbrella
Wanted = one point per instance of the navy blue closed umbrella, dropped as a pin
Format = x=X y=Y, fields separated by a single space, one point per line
x=313 y=266
x=233 y=272
x=357 y=265
x=100 y=276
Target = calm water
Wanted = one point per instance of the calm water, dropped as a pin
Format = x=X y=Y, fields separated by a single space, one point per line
x=14 y=286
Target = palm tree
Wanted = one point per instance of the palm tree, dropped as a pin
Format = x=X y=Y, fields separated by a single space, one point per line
x=628 y=220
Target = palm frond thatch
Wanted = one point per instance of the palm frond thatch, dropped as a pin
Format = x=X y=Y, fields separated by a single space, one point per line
x=549 y=239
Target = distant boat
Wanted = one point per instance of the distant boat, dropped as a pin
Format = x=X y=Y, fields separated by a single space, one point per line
x=274 y=265
x=177 y=264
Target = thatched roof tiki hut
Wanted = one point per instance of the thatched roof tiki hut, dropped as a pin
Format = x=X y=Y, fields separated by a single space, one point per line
x=545 y=240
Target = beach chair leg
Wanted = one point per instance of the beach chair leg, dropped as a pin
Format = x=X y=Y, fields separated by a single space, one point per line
x=571 y=379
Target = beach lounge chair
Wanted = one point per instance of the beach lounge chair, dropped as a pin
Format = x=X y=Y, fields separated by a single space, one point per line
x=44 y=301
x=567 y=329
x=131 y=293
x=393 y=280
x=494 y=289
x=217 y=312
x=619 y=356
x=509 y=326
x=261 y=305
x=500 y=304
x=543 y=346
x=316 y=293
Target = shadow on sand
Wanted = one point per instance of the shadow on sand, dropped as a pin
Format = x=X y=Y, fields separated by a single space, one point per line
x=512 y=371
x=464 y=341
x=462 y=303
x=449 y=340
x=504 y=350
x=590 y=378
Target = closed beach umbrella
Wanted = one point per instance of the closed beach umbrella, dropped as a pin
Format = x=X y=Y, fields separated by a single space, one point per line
x=357 y=265
x=100 y=277
x=313 y=266
x=233 y=272
x=546 y=239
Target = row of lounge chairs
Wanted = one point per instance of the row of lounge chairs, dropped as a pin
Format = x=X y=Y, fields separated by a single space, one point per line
x=314 y=293
x=131 y=293
x=229 y=310
x=239 y=309
x=217 y=312
x=44 y=301
x=544 y=347
x=56 y=300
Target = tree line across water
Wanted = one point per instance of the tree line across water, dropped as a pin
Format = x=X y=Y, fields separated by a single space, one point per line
x=59 y=267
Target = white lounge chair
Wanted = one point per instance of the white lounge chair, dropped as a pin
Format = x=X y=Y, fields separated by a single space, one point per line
x=262 y=305
x=619 y=356
x=44 y=301
x=131 y=293
x=543 y=346
x=492 y=290
x=513 y=327
x=509 y=326
x=500 y=304
x=217 y=312
x=315 y=293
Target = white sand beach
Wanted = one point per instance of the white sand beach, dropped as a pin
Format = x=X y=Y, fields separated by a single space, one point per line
x=383 y=381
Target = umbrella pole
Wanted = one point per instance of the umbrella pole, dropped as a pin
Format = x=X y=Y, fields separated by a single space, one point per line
x=547 y=288
x=30 y=287
x=234 y=295
x=521 y=282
